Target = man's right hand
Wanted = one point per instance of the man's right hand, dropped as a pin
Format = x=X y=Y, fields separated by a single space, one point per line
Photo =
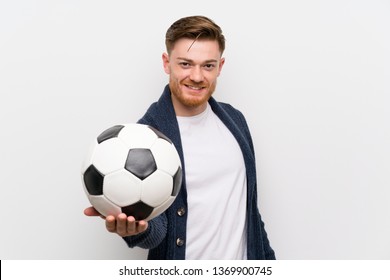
x=121 y=225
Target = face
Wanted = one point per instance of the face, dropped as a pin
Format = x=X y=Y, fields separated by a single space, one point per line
x=193 y=68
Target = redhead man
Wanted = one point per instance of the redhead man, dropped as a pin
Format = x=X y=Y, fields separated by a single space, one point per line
x=215 y=215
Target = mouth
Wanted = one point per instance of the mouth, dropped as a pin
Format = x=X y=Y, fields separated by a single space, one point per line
x=197 y=88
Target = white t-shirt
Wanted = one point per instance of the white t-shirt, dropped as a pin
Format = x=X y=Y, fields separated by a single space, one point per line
x=216 y=187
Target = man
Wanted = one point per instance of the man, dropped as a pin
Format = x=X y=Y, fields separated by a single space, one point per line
x=215 y=215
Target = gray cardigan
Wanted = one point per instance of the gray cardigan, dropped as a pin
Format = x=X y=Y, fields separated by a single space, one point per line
x=166 y=234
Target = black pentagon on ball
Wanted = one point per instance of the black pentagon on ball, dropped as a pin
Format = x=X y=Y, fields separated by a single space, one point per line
x=109 y=133
x=140 y=162
x=177 y=182
x=160 y=134
x=93 y=181
x=139 y=210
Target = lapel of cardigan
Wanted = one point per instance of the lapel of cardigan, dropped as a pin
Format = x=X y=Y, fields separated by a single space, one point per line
x=233 y=121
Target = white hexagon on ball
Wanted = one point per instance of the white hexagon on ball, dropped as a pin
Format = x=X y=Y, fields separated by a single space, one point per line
x=156 y=188
x=110 y=156
x=166 y=156
x=122 y=188
x=136 y=136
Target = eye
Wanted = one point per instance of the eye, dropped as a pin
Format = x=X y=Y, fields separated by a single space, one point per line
x=209 y=66
x=184 y=65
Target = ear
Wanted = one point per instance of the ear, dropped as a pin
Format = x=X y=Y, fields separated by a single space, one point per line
x=165 y=59
x=221 y=63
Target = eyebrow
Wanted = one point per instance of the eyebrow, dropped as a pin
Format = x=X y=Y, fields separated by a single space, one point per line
x=190 y=60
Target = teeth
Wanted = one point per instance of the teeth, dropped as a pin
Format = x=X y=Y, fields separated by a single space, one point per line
x=197 y=88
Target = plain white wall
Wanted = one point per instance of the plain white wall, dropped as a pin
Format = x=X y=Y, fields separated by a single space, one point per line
x=312 y=78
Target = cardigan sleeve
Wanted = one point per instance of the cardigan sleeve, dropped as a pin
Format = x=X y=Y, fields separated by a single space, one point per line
x=152 y=237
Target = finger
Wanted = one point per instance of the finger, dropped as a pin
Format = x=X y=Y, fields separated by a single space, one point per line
x=121 y=224
x=142 y=226
x=111 y=223
x=90 y=211
x=131 y=225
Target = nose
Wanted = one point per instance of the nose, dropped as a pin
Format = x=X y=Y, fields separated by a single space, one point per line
x=196 y=74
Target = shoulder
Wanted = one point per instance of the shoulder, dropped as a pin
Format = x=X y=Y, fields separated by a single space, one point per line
x=149 y=116
x=228 y=107
x=160 y=111
x=229 y=111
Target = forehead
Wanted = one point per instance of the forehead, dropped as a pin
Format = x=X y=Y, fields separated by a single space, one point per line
x=199 y=49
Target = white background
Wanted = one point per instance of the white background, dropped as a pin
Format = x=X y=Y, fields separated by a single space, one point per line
x=312 y=78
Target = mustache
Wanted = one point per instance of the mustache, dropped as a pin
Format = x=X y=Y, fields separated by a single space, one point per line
x=192 y=84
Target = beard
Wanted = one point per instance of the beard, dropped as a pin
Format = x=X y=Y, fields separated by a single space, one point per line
x=191 y=100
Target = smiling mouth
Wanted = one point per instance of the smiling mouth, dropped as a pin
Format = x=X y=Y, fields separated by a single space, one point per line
x=195 y=87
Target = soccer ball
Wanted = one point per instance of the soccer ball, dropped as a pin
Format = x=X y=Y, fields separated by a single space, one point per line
x=132 y=169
